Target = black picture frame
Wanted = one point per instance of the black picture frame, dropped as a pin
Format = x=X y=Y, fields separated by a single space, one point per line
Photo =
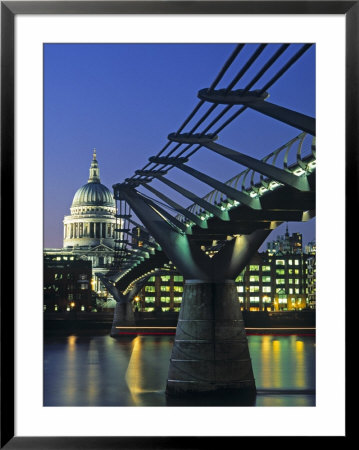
x=9 y=9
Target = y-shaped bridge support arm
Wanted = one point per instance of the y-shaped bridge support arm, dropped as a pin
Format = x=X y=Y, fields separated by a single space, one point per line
x=189 y=259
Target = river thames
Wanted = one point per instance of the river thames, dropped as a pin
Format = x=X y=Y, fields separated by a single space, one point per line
x=97 y=370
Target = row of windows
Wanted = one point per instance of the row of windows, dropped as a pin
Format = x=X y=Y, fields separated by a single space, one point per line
x=290 y=281
x=163 y=299
x=176 y=278
x=164 y=308
x=164 y=289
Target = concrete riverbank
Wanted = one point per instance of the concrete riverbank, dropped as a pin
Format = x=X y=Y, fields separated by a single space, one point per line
x=166 y=322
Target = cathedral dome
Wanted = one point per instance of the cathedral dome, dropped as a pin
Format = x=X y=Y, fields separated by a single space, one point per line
x=93 y=194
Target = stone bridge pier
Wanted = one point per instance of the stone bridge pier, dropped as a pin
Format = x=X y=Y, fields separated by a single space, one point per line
x=123 y=315
x=210 y=352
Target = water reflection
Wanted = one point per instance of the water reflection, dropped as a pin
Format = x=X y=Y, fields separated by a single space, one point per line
x=102 y=371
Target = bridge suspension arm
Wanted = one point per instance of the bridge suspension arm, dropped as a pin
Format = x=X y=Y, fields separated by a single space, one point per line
x=215 y=210
x=287 y=178
x=257 y=101
x=232 y=193
x=188 y=214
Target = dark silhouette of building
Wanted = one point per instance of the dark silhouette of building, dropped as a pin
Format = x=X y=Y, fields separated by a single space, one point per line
x=67 y=283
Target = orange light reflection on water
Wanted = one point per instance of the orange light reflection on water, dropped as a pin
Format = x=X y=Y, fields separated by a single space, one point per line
x=300 y=369
x=71 y=373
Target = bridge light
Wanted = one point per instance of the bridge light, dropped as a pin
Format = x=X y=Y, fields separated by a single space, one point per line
x=273 y=184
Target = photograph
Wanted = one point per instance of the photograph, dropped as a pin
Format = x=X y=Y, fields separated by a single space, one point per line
x=179 y=224
x=173 y=266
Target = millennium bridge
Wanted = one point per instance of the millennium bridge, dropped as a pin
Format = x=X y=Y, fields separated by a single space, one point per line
x=211 y=241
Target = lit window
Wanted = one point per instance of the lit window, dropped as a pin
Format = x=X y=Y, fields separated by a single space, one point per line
x=165 y=299
x=165 y=277
x=178 y=278
x=178 y=288
x=254 y=268
x=291 y=290
x=266 y=289
x=239 y=278
x=177 y=299
x=240 y=289
x=296 y=262
x=265 y=268
x=149 y=309
x=266 y=279
x=280 y=262
x=290 y=262
x=151 y=280
x=165 y=308
x=165 y=288
x=150 y=289
x=297 y=290
x=280 y=281
x=254 y=278
x=280 y=271
x=149 y=299
x=254 y=299
x=82 y=308
x=253 y=288
x=241 y=300
x=296 y=281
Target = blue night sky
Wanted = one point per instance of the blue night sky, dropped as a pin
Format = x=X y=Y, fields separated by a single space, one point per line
x=124 y=99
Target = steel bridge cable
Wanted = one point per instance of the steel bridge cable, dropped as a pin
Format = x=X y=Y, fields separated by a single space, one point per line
x=275 y=78
x=236 y=79
x=240 y=74
x=224 y=69
x=220 y=75
x=264 y=69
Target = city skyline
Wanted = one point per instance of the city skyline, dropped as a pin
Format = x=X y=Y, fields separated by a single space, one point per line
x=96 y=96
